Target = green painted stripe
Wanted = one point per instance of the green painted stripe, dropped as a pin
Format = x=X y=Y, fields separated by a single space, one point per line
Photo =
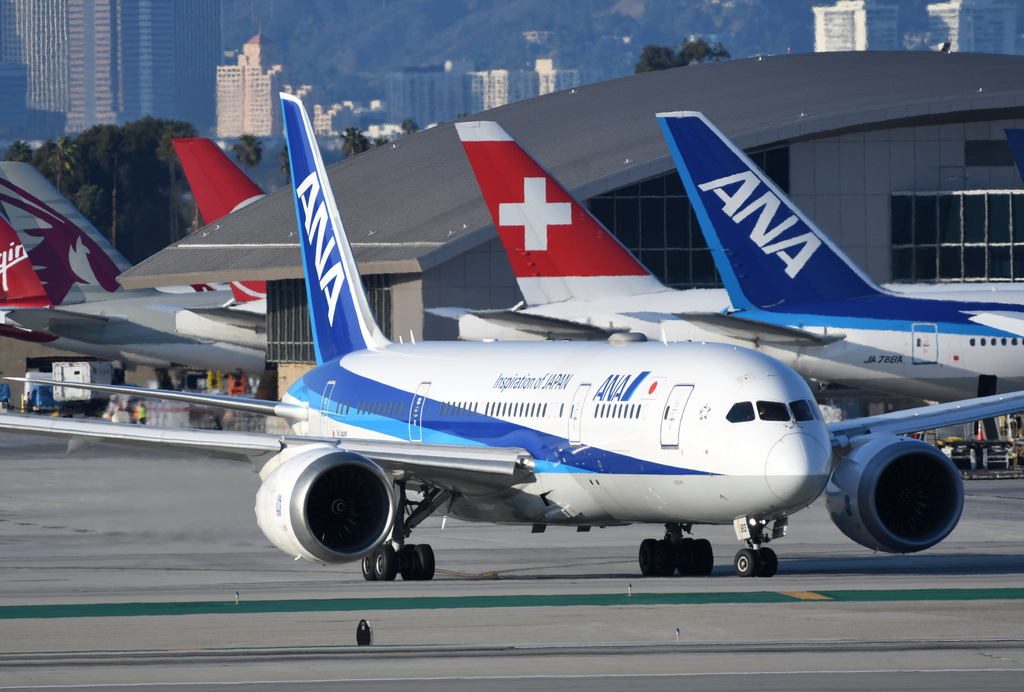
x=98 y=610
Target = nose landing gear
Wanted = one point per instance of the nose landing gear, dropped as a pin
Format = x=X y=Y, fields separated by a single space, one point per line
x=756 y=560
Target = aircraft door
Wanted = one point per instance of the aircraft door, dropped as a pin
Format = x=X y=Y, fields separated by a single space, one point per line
x=579 y=400
x=924 y=342
x=672 y=415
x=416 y=412
x=325 y=403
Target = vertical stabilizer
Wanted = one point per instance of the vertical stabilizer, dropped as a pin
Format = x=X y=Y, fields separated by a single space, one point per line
x=557 y=249
x=19 y=283
x=338 y=309
x=766 y=250
x=220 y=187
x=74 y=261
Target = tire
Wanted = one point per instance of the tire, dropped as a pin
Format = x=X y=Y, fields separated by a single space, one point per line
x=408 y=563
x=747 y=563
x=425 y=558
x=367 y=564
x=664 y=558
x=704 y=557
x=647 y=549
x=685 y=557
x=385 y=563
x=769 y=562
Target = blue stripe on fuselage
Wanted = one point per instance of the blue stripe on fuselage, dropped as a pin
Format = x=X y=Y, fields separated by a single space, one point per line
x=552 y=453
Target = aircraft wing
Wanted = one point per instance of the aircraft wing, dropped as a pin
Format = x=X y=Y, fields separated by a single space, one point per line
x=539 y=325
x=757 y=332
x=927 y=417
x=231 y=317
x=446 y=466
x=54 y=320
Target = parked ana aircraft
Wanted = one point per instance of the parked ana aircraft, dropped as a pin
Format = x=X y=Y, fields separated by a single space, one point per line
x=580 y=282
x=576 y=434
x=220 y=187
x=84 y=309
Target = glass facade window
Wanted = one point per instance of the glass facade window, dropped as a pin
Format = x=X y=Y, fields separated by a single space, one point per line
x=655 y=221
x=957 y=236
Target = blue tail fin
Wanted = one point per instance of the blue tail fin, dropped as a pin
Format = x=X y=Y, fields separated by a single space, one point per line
x=340 y=314
x=1016 y=140
x=767 y=252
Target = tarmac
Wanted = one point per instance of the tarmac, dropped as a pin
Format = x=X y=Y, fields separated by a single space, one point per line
x=133 y=570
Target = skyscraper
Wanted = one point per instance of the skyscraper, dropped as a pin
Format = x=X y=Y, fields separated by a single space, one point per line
x=974 y=26
x=247 y=91
x=855 y=25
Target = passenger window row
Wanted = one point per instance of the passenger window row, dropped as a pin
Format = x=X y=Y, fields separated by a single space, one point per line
x=627 y=411
x=996 y=342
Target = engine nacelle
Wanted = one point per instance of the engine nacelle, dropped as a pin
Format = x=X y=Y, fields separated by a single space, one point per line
x=326 y=506
x=895 y=494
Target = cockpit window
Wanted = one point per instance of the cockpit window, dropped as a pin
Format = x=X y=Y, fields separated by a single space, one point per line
x=803 y=410
x=740 y=412
x=772 y=410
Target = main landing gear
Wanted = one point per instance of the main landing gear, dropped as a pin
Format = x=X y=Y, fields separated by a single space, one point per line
x=673 y=553
x=756 y=560
x=395 y=556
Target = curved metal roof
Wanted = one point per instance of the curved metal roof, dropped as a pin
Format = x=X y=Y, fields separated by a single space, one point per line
x=410 y=206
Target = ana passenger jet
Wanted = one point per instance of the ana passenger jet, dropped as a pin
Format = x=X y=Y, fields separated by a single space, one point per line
x=575 y=434
x=791 y=292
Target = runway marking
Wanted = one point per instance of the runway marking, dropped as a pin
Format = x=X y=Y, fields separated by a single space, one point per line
x=806 y=595
x=103 y=610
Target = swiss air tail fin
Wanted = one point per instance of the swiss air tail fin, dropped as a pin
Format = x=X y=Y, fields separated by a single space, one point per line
x=557 y=249
x=220 y=187
x=338 y=309
x=766 y=250
x=74 y=261
x=19 y=283
x=1016 y=140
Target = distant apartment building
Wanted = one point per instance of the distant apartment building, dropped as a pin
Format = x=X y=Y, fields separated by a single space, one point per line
x=113 y=61
x=855 y=25
x=247 y=101
x=437 y=94
x=975 y=26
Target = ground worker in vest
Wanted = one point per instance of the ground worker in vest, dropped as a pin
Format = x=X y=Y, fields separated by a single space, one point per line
x=139 y=414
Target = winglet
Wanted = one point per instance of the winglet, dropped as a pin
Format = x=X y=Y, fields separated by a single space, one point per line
x=557 y=249
x=339 y=311
x=19 y=283
x=766 y=250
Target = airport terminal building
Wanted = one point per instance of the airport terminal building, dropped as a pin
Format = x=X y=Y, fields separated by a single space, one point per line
x=900 y=156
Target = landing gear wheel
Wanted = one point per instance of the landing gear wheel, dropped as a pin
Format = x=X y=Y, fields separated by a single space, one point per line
x=769 y=562
x=385 y=563
x=647 y=549
x=664 y=559
x=367 y=565
x=685 y=557
x=703 y=557
x=747 y=563
x=425 y=556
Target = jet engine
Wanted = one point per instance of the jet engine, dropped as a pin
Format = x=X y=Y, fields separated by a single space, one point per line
x=895 y=494
x=326 y=505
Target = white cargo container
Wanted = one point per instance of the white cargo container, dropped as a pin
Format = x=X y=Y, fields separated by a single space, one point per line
x=86 y=372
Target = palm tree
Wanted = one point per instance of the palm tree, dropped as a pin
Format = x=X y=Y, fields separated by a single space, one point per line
x=173 y=129
x=380 y=140
x=60 y=161
x=248 y=151
x=19 y=151
x=286 y=163
x=354 y=142
x=409 y=127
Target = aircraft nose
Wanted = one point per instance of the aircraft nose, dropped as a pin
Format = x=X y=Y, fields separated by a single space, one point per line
x=797 y=468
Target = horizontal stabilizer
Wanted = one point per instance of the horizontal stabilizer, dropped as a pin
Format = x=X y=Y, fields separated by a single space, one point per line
x=549 y=328
x=1012 y=322
x=55 y=321
x=757 y=332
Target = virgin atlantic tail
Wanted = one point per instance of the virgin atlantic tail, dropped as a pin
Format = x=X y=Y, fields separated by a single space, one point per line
x=19 y=284
x=557 y=249
x=220 y=187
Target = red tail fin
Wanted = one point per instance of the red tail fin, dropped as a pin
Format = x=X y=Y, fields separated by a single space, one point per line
x=219 y=187
x=19 y=283
x=557 y=249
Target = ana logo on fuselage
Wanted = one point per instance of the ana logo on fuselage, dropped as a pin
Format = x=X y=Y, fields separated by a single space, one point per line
x=315 y=222
x=762 y=235
x=619 y=387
